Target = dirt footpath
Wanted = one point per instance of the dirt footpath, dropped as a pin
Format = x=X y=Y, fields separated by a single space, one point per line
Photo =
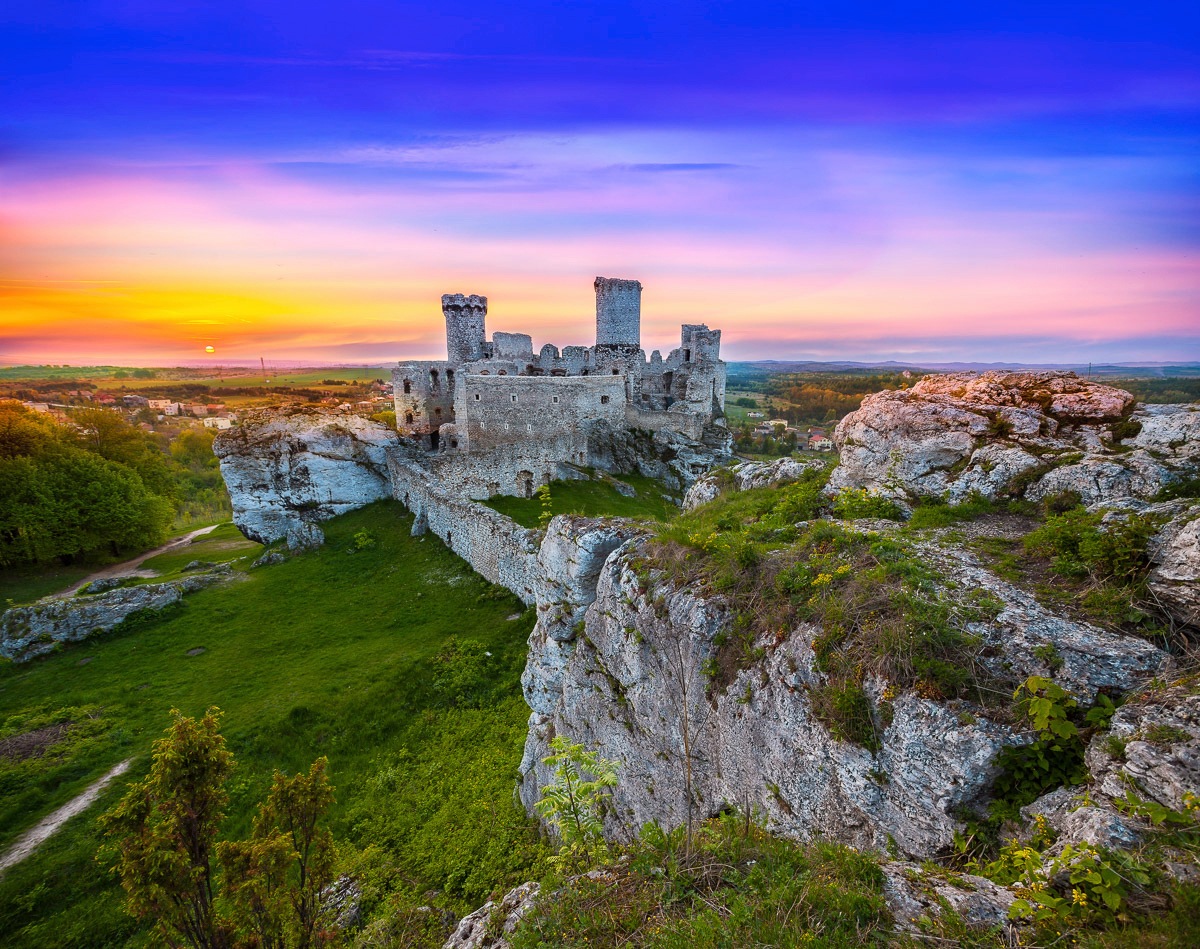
x=29 y=841
x=130 y=567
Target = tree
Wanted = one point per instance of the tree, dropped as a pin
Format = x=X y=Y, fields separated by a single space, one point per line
x=165 y=827
x=277 y=876
x=163 y=835
x=574 y=805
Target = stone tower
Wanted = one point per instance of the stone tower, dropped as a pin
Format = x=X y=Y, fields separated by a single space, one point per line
x=465 y=317
x=618 y=312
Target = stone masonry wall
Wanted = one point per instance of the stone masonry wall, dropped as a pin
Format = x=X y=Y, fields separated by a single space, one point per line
x=493 y=411
x=496 y=548
x=618 y=312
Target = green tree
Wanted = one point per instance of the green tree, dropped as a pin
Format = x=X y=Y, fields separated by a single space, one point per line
x=163 y=840
x=275 y=879
x=165 y=828
x=574 y=804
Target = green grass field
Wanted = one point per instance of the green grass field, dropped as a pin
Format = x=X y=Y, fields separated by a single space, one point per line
x=592 y=498
x=22 y=585
x=396 y=661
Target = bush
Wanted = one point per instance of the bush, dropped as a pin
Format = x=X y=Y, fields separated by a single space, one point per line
x=852 y=503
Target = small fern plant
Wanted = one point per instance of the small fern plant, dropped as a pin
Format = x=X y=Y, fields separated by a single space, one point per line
x=573 y=804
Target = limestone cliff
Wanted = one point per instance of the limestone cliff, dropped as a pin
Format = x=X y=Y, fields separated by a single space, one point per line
x=619 y=663
x=287 y=470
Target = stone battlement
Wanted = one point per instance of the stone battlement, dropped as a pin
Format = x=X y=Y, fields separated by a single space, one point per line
x=502 y=396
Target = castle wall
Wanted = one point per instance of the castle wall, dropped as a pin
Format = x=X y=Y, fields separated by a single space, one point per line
x=424 y=396
x=496 y=548
x=685 y=423
x=494 y=411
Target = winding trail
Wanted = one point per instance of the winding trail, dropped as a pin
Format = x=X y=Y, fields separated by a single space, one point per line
x=130 y=567
x=33 y=838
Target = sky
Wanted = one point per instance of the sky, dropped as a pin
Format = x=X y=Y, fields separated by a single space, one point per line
x=832 y=181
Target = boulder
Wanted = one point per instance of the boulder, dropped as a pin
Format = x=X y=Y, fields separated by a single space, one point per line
x=287 y=469
x=918 y=894
x=487 y=927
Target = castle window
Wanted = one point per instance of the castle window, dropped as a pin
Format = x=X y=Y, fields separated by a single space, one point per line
x=604 y=400
x=513 y=397
x=437 y=412
x=616 y=372
x=407 y=386
x=484 y=372
x=645 y=396
x=476 y=396
x=408 y=417
x=482 y=425
x=529 y=426
x=687 y=355
x=433 y=377
x=506 y=426
x=454 y=443
x=556 y=400
x=449 y=377
x=502 y=372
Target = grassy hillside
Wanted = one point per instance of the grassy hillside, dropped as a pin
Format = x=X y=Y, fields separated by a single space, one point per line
x=591 y=498
x=381 y=651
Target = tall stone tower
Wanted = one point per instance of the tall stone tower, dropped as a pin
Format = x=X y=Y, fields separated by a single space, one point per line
x=465 y=317
x=618 y=312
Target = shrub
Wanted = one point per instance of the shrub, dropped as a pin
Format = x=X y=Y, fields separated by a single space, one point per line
x=852 y=503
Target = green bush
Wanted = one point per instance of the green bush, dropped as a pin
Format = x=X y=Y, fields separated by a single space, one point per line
x=852 y=503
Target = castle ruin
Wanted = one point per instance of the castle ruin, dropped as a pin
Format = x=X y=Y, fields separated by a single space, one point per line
x=496 y=418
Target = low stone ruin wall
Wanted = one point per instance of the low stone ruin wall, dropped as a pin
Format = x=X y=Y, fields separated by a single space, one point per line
x=497 y=549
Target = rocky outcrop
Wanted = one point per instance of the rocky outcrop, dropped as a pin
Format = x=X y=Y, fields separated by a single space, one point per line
x=665 y=455
x=1152 y=749
x=487 y=927
x=286 y=470
x=1024 y=638
x=618 y=661
x=1031 y=434
x=744 y=476
x=1174 y=578
x=29 y=631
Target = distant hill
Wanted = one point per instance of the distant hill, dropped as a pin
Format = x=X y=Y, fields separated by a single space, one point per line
x=1124 y=370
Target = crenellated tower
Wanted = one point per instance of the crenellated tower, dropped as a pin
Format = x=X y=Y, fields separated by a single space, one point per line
x=465 y=326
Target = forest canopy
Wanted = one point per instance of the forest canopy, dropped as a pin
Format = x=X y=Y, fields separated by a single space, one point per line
x=95 y=485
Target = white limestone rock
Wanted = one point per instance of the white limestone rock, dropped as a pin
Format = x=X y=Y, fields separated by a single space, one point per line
x=1169 y=429
x=917 y=894
x=29 y=631
x=1075 y=821
x=1174 y=576
x=1161 y=757
x=632 y=683
x=286 y=470
x=487 y=927
x=746 y=475
x=951 y=435
x=1083 y=658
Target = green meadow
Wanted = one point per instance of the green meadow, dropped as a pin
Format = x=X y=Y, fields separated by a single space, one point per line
x=384 y=652
x=591 y=498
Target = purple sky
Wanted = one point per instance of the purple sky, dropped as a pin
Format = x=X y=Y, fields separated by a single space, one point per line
x=859 y=182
